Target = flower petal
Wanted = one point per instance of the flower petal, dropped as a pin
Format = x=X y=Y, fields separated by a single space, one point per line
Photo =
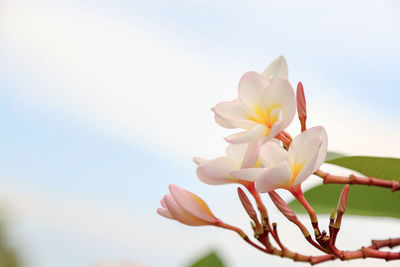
x=306 y=171
x=255 y=133
x=165 y=213
x=251 y=87
x=163 y=203
x=222 y=122
x=272 y=154
x=280 y=94
x=304 y=153
x=233 y=113
x=199 y=160
x=278 y=68
x=276 y=177
x=216 y=171
x=304 y=146
x=236 y=152
x=181 y=215
x=251 y=158
x=320 y=131
x=273 y=132
x=278 y=125
x=248 y=174
x=192 y=204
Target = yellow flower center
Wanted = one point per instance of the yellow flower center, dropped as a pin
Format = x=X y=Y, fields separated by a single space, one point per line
x=264 y=116
x=296 y=168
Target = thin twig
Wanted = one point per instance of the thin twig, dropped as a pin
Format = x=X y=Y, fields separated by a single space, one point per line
x=328 y=178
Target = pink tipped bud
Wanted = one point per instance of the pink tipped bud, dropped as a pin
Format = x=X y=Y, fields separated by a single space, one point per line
x=344 y=196
x=247 y=204
x=282 y=206
x=301 y=101
x=188 y=208
x=301 y=106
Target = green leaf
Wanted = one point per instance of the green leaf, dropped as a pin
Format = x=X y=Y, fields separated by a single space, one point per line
x=333 y=155
x=210 y=260
x=363 y=200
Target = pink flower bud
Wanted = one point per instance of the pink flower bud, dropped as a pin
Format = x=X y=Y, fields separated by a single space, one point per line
x=186 y=208
x=282 y=206
x=344 y=196
x=247 y=204
x=301 y=106
x=301 y=101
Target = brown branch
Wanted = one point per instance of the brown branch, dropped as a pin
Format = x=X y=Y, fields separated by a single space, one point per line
x=387 y=255
x=391 y=243
x=325 y=241
x=328 y=178
x=365 y=252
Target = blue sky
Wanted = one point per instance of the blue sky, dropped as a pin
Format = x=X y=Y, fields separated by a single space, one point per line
x=103 y=104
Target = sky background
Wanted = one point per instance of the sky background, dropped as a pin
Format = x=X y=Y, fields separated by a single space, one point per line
x=104 y=103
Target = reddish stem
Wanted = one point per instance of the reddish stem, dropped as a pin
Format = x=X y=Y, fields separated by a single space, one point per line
x=328 y=178
x=286 y=141
x=367 y=252
x=274 y=232
x=391 y=243
x=387 y=255
x=287 y=135
x=260 y=205
x=298 y=194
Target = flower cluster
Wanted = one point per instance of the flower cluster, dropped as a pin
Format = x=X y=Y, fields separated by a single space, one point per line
x=263 y=157
x=263 y=154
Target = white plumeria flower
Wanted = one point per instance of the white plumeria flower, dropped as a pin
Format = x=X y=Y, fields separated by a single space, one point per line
x=219 y=170
x=287 y=169
x=266 y=105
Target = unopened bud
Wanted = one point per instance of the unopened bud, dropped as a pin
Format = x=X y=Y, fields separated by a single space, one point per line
x=187 y=208
x=344 y=196
x=258 y=229
x=247 y=204
x=282 y=206
x=301 y=106
x=301 y=101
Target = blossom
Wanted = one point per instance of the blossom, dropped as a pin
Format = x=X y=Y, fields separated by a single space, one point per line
x=238 y=157
x=186 y=207
x=266 y=105
x=287 y=169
